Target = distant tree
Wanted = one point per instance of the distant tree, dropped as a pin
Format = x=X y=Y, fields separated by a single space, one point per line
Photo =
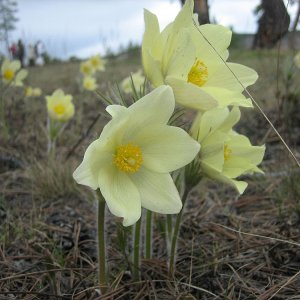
x=272 y=25
x=294 y=24
x=202 y=9
x=8 y=9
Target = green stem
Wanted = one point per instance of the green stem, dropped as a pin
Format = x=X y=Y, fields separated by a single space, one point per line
x=3 y=123
x=148 y=245
x=136 y=251
x=101 y=243
x=175 y=234
x=169 y=227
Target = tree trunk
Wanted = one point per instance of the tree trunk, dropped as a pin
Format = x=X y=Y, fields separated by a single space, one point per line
x=272 y=25
x=294 y=27
x=202 y=9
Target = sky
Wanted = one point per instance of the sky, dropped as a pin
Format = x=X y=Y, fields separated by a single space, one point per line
x=84 y=28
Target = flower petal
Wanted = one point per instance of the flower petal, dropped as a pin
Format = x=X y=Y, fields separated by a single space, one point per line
x=181 y=56
x=154 y=108
x=190 y=95
x=215 y=119
x=152 y=69
x=96 y=157
x=120 y=194
x=227 y=97
x=212 y=41
x=158 y=192
x=224 y=78
x=151 y=29
x=21 y=75
x=15 y=65
x=116 y=110
x=166 y=148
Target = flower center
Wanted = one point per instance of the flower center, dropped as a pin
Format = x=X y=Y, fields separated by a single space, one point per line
x=198 y=74
x=227 y=152
x=9 y=74
x=59 y=109
x=128 y=158
x=95 y=61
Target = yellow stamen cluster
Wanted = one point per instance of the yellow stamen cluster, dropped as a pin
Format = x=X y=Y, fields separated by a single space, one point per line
x=59 y=109
x=198 y=73
x=9 y=74
x=227 y=152
x=128 y=158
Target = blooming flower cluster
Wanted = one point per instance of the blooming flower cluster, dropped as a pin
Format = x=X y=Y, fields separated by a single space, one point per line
x=88 y=69
x=191 y=58
x=131 y=160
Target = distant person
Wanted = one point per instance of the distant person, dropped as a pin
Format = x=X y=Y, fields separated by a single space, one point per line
x=31 y=55
x=13 y=51
x=39 y=52
x=21 y=52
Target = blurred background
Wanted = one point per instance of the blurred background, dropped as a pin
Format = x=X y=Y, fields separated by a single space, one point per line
x=79 y=29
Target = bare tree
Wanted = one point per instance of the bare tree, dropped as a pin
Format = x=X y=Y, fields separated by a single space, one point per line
x=8 y=9
x=272 y=25
x=202 y=9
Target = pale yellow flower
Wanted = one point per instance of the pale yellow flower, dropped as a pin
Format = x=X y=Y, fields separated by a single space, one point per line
x=60 y=106
x=225 y=154
x=138 y=80
x=86 y=68
x=12 y=73
x=131 y=160
x=28 y=91
x=97 y=62
x=89 y=83
x=191 y=60
x=36 y=92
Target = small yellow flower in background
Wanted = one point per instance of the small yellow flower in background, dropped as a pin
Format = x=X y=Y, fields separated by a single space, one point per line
x=60 y=106
x=188 y=61
x=12 y=73
x=28 y=91
x=225 y=154
x=89 y=83
x=131 y=160
x=138 y=80
x=36 y=92
x=86 y=68
x=32 y=92
x=97 y=62
x=297 y=59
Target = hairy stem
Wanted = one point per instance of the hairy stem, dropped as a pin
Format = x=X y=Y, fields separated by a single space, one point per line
x=136 y=251
x=148 y=245
x=175 y=234
x=101 y=243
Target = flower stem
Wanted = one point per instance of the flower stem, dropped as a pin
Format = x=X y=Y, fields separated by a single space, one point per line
x=175 y=234
x=101 y=243
x=136 y=251
x=148 y=245
x=169 y=228
x=3 y=123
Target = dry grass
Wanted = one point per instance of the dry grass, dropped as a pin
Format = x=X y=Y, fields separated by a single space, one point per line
x=229 y=247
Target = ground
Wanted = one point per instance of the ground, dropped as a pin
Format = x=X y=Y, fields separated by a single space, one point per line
x=230 y=247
